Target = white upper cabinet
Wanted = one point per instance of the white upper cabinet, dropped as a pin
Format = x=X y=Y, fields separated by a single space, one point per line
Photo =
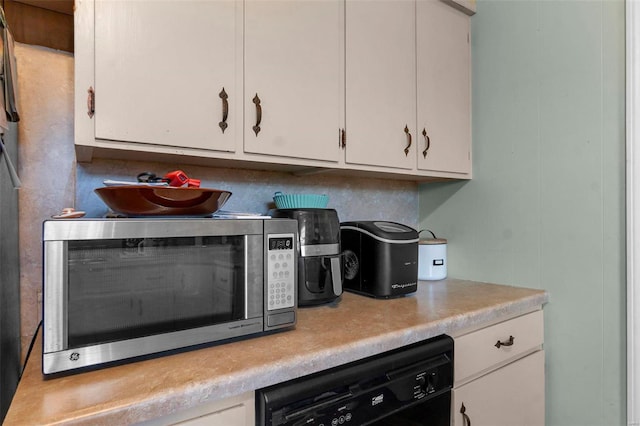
x=443 y=88
x=380 y=83
x=408 y=87
x=160 y=71
x=292 y=85
x=294 y=79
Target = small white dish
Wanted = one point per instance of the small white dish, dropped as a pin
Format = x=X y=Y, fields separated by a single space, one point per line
x=69 y=213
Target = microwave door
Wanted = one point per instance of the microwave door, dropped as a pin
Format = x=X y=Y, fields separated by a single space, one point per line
x=103 y=291
x=132 y=288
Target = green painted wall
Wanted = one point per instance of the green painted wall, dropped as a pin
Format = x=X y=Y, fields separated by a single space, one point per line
x=545 y=208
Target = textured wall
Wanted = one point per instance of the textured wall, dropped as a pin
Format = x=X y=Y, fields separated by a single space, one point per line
x=48 y=171
x=252 y=190
x=546 y=206
x=47 y=162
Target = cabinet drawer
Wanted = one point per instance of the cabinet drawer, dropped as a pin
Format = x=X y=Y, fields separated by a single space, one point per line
x=480 y=351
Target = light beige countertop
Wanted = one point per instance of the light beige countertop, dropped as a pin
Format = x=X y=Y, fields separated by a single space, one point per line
x=324 y=337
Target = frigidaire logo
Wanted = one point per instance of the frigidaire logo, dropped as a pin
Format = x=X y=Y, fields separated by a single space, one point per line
x=405 y=285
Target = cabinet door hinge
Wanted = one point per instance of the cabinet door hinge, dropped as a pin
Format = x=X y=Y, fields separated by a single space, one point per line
x=91 y=102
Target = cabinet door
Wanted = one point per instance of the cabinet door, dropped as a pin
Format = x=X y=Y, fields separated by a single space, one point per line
x=380 y=83
x=510 y=396
x=159 y=69
x=294 y=69
x=444 y=88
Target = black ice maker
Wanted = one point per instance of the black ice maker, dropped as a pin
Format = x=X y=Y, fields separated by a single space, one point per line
x=380 y=258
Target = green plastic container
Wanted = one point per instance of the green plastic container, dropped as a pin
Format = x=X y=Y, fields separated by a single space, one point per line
x=300 y=201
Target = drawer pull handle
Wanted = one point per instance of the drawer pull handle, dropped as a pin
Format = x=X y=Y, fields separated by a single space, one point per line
x=466 y=421
x=507 y=343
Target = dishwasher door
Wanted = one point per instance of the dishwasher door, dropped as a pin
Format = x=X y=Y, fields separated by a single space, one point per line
x=407 y=386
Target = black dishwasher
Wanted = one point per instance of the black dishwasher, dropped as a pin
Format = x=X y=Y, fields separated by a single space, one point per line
x=405 y=387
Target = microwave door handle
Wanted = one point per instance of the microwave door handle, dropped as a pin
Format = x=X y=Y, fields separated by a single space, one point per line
x=336 y=277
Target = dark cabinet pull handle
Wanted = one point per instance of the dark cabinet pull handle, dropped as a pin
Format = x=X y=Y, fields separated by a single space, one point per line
x=427 y=142
x=406 y=130
x=256 y=100
x=225 y=110
x=507 y=343
x=466 y=421
x=91 y=102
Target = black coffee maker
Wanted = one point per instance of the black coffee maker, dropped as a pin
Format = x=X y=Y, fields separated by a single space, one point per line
x=320 y=270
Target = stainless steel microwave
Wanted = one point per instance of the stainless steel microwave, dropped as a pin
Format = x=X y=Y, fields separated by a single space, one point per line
x=119 y=289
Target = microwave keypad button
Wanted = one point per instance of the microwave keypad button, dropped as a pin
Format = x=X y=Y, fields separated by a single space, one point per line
x=280 y=270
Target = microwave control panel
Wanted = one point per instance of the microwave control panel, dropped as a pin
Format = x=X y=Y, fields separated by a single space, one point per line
x=280 y=271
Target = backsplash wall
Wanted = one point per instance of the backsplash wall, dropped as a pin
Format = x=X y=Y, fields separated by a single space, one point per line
x=252 y=190
x=53 y=180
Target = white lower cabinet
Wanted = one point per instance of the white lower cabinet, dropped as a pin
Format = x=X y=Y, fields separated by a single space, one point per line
x=499 y=374
x=234 y=411
x=510 y=396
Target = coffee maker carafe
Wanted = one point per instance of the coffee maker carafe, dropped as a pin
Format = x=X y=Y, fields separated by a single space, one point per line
x=320 y=269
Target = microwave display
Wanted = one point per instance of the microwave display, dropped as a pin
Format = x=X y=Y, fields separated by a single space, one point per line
x=135 y=287
x=280 y=243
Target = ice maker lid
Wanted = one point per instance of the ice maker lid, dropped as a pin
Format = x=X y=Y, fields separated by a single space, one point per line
x=385 y=231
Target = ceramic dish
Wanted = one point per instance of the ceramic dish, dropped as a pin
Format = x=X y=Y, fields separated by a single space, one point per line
x=145 y=200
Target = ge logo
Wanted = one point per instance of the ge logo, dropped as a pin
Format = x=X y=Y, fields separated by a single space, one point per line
x=74 y=356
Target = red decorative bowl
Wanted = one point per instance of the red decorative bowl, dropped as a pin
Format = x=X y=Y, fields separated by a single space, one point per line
x=146 y=200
